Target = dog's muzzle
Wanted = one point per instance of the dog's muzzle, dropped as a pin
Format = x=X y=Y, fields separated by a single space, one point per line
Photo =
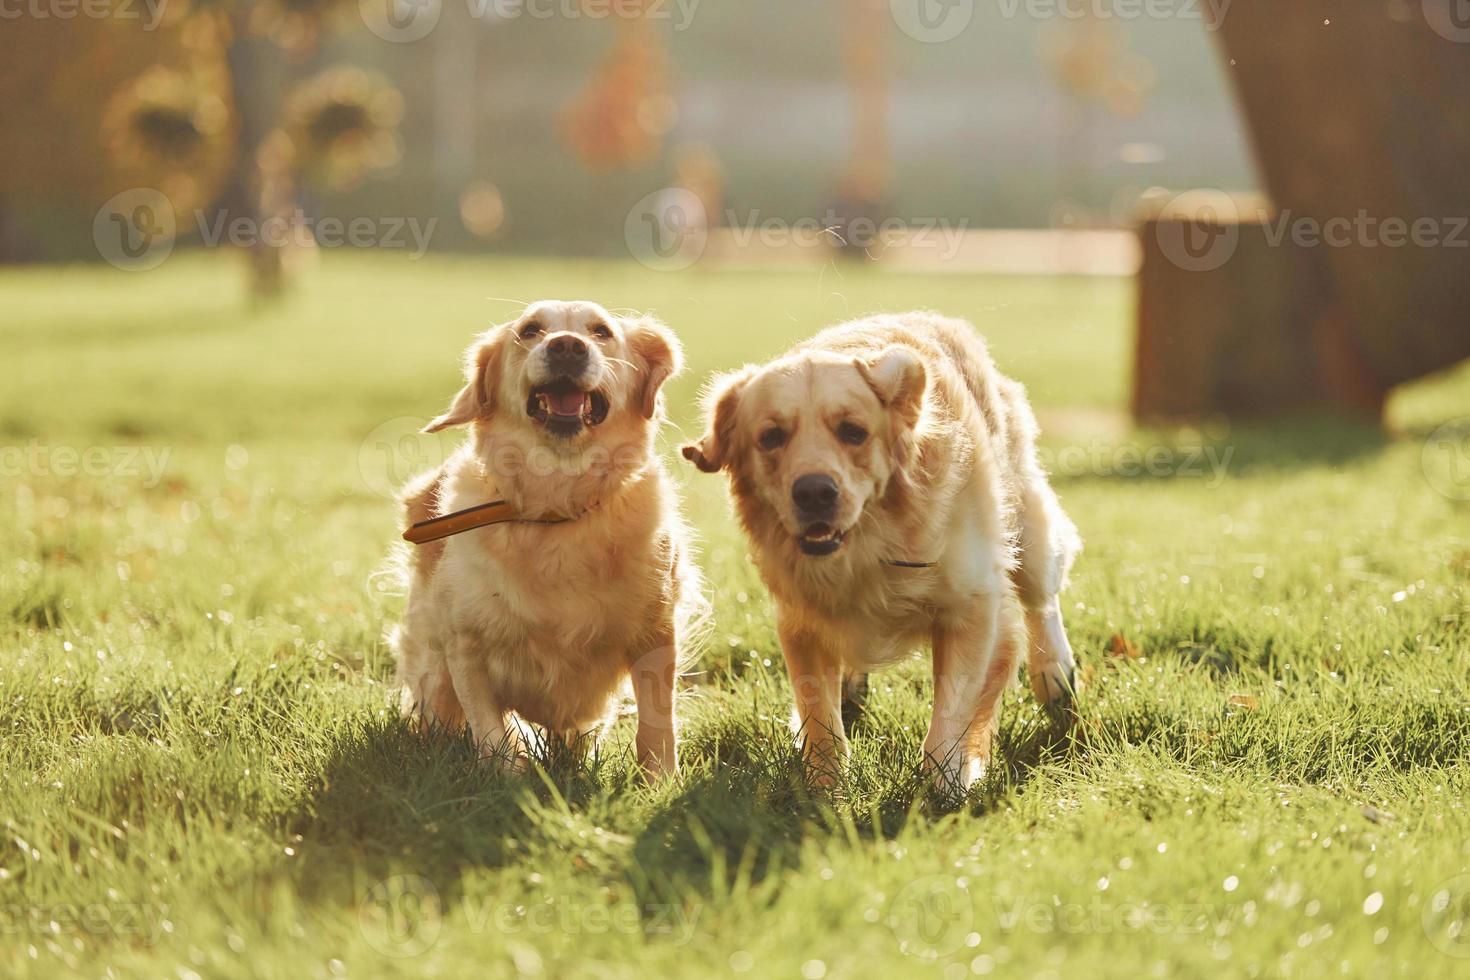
x=819 y=539
x=815 y=497
x=565 y=407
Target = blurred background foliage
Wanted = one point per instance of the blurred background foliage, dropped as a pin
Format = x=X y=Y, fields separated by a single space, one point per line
x=536 y=134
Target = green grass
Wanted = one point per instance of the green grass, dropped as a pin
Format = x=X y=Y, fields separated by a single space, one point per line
x=201 y=772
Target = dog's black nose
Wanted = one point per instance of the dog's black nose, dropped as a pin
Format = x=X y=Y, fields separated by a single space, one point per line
x=815 y=495
x=567 y=351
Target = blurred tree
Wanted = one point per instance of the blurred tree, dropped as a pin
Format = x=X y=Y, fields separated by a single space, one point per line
x=622 y=114
x=209 y=130
x=1090 y=60
x=57 y=129
x=863 y=186
x=172 y=128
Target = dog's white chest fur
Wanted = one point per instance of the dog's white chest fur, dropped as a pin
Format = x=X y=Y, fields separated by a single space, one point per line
x=883 y=610
x=551 y=613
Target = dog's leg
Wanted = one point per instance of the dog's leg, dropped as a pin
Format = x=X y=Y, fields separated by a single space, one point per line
x=571 y=746
x=816 y=686
x=483 y=710
x=438 y=706
x=653 y=690
x=426 y=690
x=964 y=654
x=1050 y=663
x=854 y=698
x=1049 y=543
x=1002 y=671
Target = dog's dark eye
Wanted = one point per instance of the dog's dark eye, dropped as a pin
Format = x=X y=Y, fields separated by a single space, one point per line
x=602 y=332
x=853 y=435
x=773 y=438
x=530 y=330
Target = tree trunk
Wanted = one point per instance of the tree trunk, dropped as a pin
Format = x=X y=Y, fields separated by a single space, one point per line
x=1355 y=111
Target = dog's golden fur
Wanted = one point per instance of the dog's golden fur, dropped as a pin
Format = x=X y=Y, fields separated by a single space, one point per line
x=546 y=622
x=946 y=472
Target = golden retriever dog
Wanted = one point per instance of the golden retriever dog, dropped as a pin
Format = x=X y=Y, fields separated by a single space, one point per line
x=886 y=474
x=545 y=619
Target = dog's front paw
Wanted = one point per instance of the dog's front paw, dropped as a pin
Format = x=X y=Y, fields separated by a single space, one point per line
x=1056 y=689
x=824 y=762
x=503 y=763
x=657 y=771
x=503 y=754
x=951 y=774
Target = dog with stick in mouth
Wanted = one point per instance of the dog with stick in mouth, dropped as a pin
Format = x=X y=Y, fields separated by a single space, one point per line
x=551 y=565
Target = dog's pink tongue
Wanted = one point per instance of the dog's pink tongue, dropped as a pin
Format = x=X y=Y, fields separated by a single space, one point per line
x=571 y=403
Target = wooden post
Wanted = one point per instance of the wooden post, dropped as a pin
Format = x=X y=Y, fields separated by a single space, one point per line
x=1232 y=321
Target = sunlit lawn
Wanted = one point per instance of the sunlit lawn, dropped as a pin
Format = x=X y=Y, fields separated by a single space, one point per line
x=201 y=773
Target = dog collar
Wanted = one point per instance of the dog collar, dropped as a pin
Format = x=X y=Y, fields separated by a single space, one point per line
x=503 y=512
x=480 y=515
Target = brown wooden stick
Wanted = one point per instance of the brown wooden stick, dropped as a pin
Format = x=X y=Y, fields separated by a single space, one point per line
x=495 y=512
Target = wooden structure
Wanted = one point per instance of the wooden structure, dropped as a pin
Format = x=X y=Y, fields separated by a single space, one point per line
x=1357 y=278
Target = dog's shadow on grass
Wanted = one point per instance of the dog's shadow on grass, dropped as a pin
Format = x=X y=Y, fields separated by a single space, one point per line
x=391 y=801
x=397 y=801
x=748 y=807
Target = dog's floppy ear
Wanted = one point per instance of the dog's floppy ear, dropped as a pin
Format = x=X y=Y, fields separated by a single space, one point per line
x=656 y=346
x=721 y=400
x=476 y=399
x=897 y=377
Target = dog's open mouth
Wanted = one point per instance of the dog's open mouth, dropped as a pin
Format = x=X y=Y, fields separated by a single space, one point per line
x=564 y=407
x=820 y=539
